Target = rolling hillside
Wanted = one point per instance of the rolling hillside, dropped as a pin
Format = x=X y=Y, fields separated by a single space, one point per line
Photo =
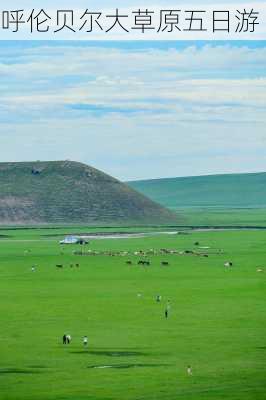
x=67 y=192
x=232 y=191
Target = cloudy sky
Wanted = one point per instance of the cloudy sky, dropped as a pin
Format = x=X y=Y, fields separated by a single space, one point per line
x=136 y=109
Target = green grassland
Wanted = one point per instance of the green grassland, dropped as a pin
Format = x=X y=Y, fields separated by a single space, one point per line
x=230 y=190
x=219 y=216
x=215 y=200
x=217 y=320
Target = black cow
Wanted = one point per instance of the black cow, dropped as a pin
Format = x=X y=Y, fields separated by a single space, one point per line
x=164 y=263
x=141 y=262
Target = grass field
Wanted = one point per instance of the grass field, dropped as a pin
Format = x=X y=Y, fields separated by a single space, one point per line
x=214 y=200
x=220 y=216
x=228 y=191
x=217 y=320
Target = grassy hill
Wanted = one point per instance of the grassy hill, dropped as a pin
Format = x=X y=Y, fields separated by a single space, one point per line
x=232 y=191
x=70 y=192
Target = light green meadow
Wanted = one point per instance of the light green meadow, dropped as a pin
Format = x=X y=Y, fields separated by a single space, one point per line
x=216 y=324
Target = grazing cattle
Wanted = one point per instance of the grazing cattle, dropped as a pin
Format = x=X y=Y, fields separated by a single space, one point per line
x=59 y=265
x=35 y=171
x=228 y=264
x=141 y=262
x=164 y=263
x=129 y=262
x=146 y=263
x=259 y=270
x=205 y=255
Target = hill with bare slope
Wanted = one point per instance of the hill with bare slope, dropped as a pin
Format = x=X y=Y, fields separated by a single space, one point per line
x=67 y=192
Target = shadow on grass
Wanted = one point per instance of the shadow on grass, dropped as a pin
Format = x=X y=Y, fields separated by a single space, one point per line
x=19 y=371
x=110 y=353
x=127 y=366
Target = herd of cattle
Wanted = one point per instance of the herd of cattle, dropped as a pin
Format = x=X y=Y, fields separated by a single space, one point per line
x=140 y=262
x=201 y=252
x=144 y=263
x=71 y=265
x=144 y=253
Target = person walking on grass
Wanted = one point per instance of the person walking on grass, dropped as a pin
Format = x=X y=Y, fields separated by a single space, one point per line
x=85 y=341
x=158 y=298
x=189 y=370
x=167 y=309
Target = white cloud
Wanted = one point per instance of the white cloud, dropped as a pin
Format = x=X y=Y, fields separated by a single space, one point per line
x=153 y=112
x=209 y=75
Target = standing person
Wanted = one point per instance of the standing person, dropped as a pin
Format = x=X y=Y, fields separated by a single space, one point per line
x=189 y=370
x=158 y=298
x=68 y=339
x=85 y=341
x=167 y=309
x=64 y=339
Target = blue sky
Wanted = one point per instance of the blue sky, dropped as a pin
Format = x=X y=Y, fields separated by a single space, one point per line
x=136 y=109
